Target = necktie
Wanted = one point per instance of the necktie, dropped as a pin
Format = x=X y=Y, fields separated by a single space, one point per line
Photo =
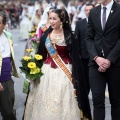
x=104 y=17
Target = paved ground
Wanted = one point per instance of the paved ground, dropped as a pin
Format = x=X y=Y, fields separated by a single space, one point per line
x=20 y=97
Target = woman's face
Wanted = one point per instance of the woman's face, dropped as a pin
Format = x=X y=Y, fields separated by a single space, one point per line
x=54 y=20
x=39 y=12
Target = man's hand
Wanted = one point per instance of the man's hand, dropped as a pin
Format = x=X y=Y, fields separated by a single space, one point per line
x=103 y=64
x=108 y=63
x=102 y=69
x=1 y=87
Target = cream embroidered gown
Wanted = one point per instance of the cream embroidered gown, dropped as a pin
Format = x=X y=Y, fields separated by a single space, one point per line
x=53 y=98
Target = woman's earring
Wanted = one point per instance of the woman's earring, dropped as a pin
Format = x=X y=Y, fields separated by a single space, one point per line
x=61 y=25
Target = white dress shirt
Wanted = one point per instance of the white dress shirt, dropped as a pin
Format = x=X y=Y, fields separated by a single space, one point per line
x=4 y=46
x=108 y=9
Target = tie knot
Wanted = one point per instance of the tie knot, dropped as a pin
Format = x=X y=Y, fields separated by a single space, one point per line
x=104 y=8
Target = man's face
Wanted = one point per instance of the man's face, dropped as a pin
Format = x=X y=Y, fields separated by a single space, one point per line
x=101 y=1
x=87 y=10
x=56 y=1
x=104 y=2
x=118 y=1
x=2 y=26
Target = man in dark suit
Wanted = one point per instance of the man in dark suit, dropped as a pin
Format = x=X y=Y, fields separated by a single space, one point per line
x=103 y=44
x=80 y=31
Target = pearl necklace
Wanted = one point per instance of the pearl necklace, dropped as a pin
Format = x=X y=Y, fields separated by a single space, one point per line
x=56 y=38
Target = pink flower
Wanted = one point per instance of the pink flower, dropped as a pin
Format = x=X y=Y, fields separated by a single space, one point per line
x=33 y=39
x=35 y=35
x=37 y=41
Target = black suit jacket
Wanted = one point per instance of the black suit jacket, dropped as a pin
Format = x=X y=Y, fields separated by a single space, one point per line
x=80 y=31
x=109 y=39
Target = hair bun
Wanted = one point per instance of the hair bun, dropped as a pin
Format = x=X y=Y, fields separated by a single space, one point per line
x=63 y=16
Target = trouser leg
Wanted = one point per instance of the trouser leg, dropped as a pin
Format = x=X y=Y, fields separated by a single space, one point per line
x=97 y=85
x=7 y=101
x=113 y=75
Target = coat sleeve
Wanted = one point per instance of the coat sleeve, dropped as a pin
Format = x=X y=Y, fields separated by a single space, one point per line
x=90 y=39
x=115 y=53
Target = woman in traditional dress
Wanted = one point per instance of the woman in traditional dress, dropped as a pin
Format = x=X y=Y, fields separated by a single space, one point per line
x=25 y=24
x=44 y=23
x=37 y=17
x=54 y=97
x=34 y=23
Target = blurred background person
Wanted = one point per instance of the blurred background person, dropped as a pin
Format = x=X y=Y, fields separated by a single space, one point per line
x=12 y=15
x=44 y=22
x=71 y=9
x=80 y=31
x=25 y=23
x=57 y=4
x=34 y=25
x=77 y=7
x=37 y=17
x=44 y=4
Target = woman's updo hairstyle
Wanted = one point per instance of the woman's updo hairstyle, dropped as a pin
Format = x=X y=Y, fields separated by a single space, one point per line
x=64 y=18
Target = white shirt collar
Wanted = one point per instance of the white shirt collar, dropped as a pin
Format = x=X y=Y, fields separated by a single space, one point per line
x=109 y=6
x=87 y=19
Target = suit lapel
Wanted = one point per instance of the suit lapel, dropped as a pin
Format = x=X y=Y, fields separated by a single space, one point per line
x=112 y=11
x=84 y=23
x=98 y=17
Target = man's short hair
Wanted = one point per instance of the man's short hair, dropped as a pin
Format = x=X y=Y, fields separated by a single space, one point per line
x=3 y=15
x=90 y=5
x=1 y=7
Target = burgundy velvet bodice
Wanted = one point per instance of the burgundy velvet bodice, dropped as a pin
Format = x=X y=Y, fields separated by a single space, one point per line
x=63 y=53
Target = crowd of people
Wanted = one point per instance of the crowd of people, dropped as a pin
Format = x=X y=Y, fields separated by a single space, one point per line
x=80 y=48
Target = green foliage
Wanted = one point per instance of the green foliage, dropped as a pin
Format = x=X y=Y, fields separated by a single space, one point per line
x=31 y=67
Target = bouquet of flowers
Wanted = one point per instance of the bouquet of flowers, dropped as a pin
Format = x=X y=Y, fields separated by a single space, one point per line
x=35 y=41
x=31 y=67
x=32 y=32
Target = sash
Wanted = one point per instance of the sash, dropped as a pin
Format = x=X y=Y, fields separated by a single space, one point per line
x=43 y=27
x=57 y=59
x=59 y=62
